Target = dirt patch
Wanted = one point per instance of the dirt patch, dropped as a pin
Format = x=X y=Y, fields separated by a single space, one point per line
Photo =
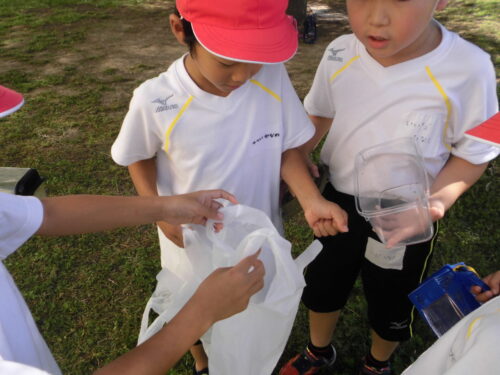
x=135 y=44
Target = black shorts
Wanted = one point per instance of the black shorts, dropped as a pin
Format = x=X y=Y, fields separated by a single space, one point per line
x=331 y=276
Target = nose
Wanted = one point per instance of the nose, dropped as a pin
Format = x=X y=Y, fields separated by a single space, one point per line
x=243 y=72
x=378 y=14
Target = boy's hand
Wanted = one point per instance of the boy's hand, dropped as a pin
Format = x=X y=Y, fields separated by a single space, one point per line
x=172 y=232
x=437 y=209
x=325 y=218
x=493 y=281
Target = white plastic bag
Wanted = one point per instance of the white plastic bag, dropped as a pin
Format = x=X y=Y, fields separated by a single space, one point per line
x=252 y=341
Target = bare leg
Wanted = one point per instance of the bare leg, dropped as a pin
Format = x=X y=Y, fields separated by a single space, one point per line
x=200 y=357
x=322 y=326
x=382 y=349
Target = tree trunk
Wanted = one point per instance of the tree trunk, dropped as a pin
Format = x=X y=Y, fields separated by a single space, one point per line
x=297 y=8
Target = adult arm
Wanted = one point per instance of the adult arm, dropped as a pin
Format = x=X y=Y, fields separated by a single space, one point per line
x=225 y=292
x=74 y=214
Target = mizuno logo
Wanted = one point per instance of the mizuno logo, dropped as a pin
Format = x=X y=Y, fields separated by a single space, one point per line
x=163 y=105
x=333 y=54
x=399 y=325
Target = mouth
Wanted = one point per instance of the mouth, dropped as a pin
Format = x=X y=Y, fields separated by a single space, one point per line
x=377 y=41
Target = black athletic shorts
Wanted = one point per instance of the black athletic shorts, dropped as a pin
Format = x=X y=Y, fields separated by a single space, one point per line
x=331 y=276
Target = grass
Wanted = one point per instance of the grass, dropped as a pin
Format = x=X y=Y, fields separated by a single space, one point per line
x=72 y=62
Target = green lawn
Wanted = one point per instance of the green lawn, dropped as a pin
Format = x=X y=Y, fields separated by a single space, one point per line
x=77 y=63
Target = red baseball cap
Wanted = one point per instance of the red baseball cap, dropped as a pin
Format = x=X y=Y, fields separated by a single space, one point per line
x=255 y=31
x=10 y=101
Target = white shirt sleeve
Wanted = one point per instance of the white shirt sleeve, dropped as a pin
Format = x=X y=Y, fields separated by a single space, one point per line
x=137 y=139
x=14 y=368
x=298 y=128
x=318 y=101
x=478 y=103
x=20 y=218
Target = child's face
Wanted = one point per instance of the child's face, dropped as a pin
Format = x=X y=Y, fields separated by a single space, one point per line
x=217 y=75
x=394 y=31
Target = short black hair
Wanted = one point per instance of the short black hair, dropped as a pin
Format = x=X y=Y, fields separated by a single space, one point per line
x=189 y=37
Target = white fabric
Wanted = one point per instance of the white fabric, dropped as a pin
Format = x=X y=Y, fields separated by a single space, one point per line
x=233 y=143
x=252 y=341
x=472 y=346
x=372 y=104
x=15 y=368
x=20 y=340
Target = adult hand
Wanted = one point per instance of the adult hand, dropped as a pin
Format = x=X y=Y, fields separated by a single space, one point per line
x=226 y=291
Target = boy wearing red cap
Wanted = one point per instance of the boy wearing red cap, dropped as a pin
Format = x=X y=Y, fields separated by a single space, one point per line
x=226 y=115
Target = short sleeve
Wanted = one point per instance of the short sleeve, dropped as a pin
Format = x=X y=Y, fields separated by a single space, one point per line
x=480 y=102
x=20 y=218
x=14 y=368
x=318 y=101
x=137 y=139
x=298 y=127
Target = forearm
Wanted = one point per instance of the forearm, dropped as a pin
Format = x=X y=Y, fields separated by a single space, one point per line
x=160 y=353
x=322 y=125
x=456 y=177
x=143 y=175
x=295 y=173
x=75 y=214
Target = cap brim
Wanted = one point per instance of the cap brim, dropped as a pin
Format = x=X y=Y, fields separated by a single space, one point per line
x=262 y=46
x=10 y=101
x=487 y=132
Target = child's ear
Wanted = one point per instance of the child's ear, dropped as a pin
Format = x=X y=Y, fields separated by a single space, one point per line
x=177 y=28
x=441 y=4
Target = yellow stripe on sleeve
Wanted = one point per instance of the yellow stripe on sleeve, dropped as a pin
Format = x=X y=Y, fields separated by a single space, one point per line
x=334 y=75
x=447 y=103
x=174 y=122
x=268 y=90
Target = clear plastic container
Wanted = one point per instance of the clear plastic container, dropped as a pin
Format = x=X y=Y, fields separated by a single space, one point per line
x=392 y=192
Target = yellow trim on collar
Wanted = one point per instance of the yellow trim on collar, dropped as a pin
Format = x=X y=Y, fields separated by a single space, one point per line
x=174 y=122
x=447 y=103
x=269 y=91
x=334 y=75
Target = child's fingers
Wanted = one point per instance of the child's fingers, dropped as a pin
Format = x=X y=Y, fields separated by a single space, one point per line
x=245 y=265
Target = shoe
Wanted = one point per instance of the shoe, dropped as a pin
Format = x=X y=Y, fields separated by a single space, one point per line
x=307 y=363
x=201 y=372
x=364 y=369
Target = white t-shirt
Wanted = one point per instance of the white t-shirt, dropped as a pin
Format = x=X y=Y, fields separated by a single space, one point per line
x=20 y=340
x=204 y=141
x=472 y=346
x=434 y=98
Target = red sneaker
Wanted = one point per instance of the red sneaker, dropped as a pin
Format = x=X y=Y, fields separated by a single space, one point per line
x=307 y=363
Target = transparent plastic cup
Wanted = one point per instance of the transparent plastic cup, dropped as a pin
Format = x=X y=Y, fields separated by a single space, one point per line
x=392 y=192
